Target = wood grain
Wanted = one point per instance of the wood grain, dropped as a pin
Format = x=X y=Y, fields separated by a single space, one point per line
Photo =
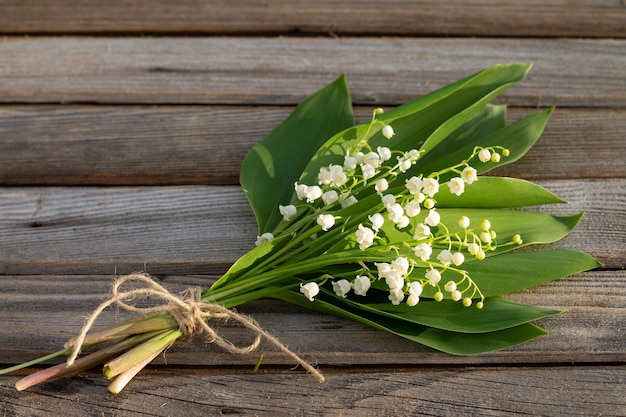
x=572 y=391
x=166 y=145
x=122 y=129
x=198 y=229
x=41 y=312
x=279 y=71
x=402 y=17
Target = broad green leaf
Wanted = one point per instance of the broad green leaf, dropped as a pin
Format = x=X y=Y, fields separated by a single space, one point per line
x=497 y=192
x=497 y=314
x=468 y=343
x=518 y=137
x=465 y=103
x=490 y=119
x=509 y=72
x=424 y=122
x=272 y=167
x=510 y=272
x=443 y=340
x=534 y=228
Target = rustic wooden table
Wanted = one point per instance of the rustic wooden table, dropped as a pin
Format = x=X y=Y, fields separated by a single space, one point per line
x=122 y=128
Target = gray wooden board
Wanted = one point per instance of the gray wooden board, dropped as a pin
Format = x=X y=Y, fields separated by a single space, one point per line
x=160 y=145
x=556 y=391
x=406 y=17
x=203 y=229
x=41 y=312
x=140 y=111
x=214 y=70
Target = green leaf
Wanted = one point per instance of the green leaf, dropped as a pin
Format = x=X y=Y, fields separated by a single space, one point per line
x=515 y=271
x=272 y=167
x=518 y=137
x=468 y=343
x=497 y=192
x=446 y=341
x=497 y=314
x=534 y=228
x=475 y=95
x=423 y=122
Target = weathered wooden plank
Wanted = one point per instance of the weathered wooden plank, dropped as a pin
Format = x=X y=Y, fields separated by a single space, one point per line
x=568 y=72
x=572 y=391
x=39 y=313
x=404 y=17
x=157 y=145
x=198 y=229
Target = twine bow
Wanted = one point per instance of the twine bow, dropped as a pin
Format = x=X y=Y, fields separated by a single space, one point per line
x=191 y=313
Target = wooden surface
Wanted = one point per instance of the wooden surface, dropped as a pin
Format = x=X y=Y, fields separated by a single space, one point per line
x=587 y=18
x=122 y=129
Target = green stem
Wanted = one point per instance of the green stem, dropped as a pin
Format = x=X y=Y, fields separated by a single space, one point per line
x=274 y=276
x=35 y=361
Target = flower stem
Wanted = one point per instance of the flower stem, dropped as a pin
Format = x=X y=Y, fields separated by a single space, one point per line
x=80 y=364
x=34 y=361
x=138 y=354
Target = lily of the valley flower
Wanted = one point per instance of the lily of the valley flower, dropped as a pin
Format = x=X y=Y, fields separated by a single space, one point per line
x=361 y=284
x=341 y=287
x=326 y=221
x=421 y=232
x=484 y=155
x=388 y=132
x=364 y=237
x=415 y=290
x=396 y=296
x=464 y=222
x=423 y=251
x=433 y=276
x=381 y=186
x=433 y=218
x=310 y=290
x=377 y=220
x=264 y=238
x=469 y=175
x=456 y=185
x=430 y=186
x=330 y=197
x=287 y=211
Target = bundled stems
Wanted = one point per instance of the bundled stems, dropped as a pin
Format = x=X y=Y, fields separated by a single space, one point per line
x=136 y=342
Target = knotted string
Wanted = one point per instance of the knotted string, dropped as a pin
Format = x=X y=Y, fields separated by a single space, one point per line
x=190 y=312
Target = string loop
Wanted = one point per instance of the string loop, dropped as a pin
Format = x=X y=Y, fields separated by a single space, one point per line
x=191 y=313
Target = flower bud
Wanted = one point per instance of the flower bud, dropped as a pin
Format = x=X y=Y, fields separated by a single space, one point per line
x=450 y=286
x=484 y=155
x=388 y=132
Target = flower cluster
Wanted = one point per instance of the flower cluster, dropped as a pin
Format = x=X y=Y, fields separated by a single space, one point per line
x=412 y=208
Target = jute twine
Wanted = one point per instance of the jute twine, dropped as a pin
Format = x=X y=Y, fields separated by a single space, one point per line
x=191 y=313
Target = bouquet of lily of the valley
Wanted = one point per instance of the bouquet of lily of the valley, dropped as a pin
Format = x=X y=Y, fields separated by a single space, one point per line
x=388 y=223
